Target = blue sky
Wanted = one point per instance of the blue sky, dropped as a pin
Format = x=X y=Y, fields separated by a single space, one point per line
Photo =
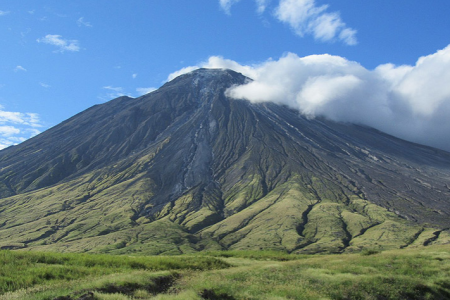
x=61 y=57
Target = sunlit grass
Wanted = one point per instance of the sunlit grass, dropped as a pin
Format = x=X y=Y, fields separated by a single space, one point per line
x=400 y=274
x=417 y=273
x=24 y=269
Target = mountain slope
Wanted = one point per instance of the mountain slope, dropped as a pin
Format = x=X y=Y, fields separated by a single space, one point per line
x=185 y=168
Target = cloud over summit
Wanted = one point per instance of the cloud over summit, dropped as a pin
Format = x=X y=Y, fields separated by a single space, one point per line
x=411 y=102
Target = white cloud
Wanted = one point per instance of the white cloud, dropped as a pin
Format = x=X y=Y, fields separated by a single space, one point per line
x=217 y=62
x=16 y=127
x=11 y=117
x=181 y=72
x=261 y=5
x=62 y=44
x=19 y=68
x=411 y=102
x=4 y=13
x=4 y=143
x=33 y=120
x=44 y=85
x=348 y=36
x=112 y=88
x=326 y=26
x=112 y=93
x=134 y=75
x=226 y=5
x=305 y=17
x=28 y=119
x=82 y=22
x=298 y=13
x=8 y=130
x=32 y=131
x=143 y=91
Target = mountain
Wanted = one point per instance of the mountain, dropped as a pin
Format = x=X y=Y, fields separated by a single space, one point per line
x=186 y=168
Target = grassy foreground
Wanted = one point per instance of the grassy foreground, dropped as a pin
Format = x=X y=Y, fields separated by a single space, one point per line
x=418 y=273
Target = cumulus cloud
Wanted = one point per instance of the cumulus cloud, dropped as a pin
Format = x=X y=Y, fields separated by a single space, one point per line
x=143 y=91
x=19 y=68
x=81 y=22
x=4 y=13
x=134 y=75
x=62 y=44
x=44 y=85
x=16 y=127
x=410 y=102
x=305 y=17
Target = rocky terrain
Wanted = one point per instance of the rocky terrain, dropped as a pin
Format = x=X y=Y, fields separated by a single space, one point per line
x=185 y=168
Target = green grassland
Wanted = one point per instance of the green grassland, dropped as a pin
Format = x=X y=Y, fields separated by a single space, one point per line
x=411 y=273
x=94 y=214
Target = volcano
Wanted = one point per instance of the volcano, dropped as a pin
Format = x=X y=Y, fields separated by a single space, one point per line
x=185 y=169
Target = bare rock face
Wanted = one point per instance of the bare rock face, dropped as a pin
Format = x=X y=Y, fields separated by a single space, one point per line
x=185 y=168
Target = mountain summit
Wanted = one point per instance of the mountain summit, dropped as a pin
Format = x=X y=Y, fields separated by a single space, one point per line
x=186 y=168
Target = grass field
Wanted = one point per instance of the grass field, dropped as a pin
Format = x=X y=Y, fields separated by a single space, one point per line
x=416 y=273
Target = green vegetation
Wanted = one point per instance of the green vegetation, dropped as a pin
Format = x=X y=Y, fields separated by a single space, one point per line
x=24 y=269
x=93 y=214
x=108 y=210
x=183 y=170
x=413 y=273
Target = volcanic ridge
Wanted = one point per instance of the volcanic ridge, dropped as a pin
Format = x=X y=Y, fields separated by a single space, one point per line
x=185 y=169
